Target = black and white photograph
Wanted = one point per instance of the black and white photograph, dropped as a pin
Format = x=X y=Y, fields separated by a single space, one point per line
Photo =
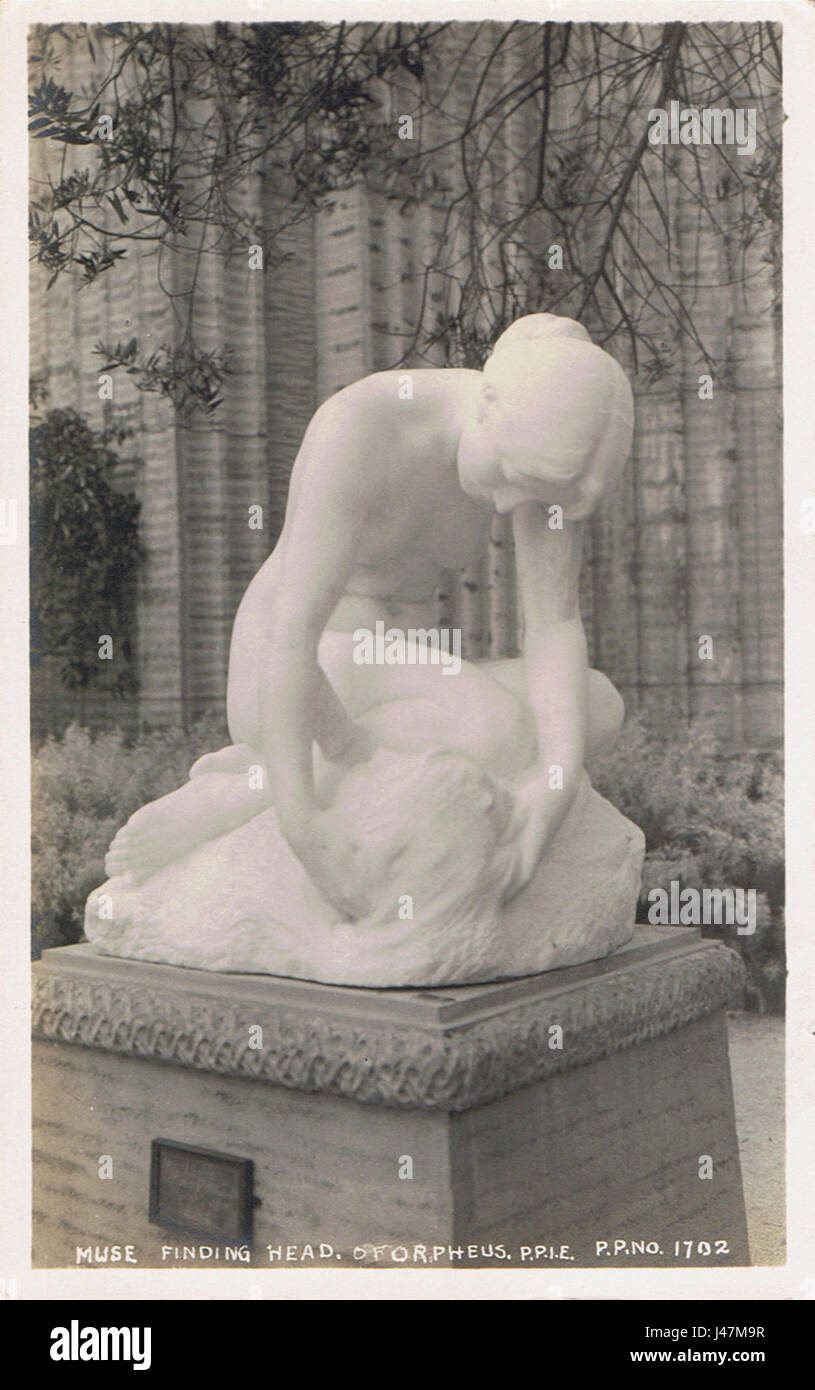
x=404 y=537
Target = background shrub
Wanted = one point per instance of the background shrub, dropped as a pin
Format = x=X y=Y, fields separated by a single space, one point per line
x=83 y=788
x=711 y=820
x=85 y=552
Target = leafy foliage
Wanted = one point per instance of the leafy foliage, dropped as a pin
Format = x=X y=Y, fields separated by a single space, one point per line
x=186 y=375
x=711 y=820
x=85 y=552
x=83 y=788
x=195 y=112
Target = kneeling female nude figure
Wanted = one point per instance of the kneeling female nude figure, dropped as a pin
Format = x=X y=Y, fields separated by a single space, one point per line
x=385 y=781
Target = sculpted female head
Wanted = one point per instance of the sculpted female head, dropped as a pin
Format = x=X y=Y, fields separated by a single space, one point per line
x=555 y=418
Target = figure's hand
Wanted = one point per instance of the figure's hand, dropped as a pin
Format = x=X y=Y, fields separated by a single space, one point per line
x=359 y=747
x=533 y=823
x=332 y=859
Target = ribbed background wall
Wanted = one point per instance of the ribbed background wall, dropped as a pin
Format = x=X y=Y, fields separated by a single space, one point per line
x=689 y=545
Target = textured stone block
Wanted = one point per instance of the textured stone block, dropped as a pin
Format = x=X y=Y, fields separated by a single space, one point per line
x=515 y=1141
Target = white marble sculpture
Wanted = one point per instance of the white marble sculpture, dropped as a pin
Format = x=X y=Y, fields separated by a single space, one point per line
x=409 y=820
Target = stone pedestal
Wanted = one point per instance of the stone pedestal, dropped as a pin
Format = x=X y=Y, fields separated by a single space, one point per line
x=542 y=1119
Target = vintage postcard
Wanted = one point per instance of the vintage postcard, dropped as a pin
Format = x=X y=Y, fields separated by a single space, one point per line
x=408 y=518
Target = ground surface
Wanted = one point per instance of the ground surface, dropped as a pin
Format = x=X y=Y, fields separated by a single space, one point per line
x=757 y=1067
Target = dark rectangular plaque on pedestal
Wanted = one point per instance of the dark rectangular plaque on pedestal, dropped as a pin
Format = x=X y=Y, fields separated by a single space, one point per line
x=201 y=1191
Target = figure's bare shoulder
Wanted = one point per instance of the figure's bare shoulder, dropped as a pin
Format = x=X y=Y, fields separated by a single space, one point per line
x=343 y=457
x=370 y=429
x=354 y=415
x=381 y=397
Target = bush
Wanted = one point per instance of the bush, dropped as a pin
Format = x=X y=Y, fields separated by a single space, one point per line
x=711 y=820
x=85 y=553
x=83 y=789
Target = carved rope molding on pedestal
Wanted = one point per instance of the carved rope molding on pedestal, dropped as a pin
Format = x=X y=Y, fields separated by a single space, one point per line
x=383 y=1064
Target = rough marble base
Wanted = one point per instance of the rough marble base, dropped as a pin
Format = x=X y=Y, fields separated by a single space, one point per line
x=243 y=903
x=515 y=1141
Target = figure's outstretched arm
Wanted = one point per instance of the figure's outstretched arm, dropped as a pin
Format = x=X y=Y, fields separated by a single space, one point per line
x=325 y=521
x=557 y=672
